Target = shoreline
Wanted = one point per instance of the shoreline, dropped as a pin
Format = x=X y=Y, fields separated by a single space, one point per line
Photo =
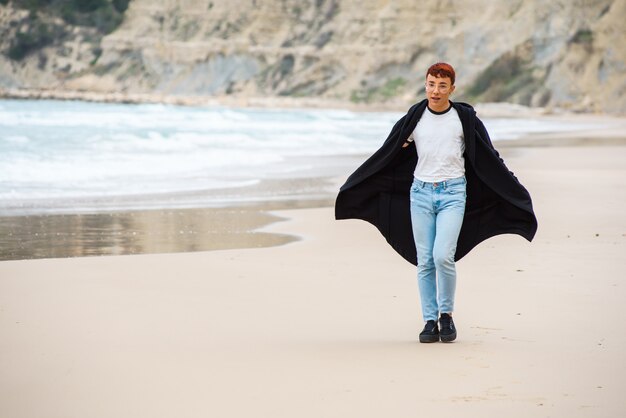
x=267 y=193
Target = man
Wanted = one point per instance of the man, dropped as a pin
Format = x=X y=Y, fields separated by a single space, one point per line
x=435 y=189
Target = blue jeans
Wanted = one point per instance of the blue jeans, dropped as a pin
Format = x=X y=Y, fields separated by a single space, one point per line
x=437 y=211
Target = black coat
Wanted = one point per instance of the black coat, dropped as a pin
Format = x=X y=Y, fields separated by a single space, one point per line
x=378 y=191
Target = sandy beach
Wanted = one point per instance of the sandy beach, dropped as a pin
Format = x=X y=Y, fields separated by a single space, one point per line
x=327 y=325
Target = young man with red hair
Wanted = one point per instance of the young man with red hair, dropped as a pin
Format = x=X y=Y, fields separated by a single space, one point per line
x=435 y=189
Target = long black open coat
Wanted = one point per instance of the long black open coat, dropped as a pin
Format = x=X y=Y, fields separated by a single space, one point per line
x=378 y=191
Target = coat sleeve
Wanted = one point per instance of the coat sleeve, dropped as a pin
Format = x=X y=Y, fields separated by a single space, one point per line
x=484 y=135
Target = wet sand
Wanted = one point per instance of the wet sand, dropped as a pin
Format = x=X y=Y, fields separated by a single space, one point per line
x=144 y=232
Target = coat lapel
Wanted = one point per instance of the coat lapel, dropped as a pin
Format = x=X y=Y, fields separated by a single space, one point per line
x=414 y=116
x=468 y=123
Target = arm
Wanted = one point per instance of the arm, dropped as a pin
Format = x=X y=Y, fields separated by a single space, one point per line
x=408 y=141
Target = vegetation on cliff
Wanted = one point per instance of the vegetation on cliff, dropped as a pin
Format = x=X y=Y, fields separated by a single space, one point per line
x=50 y=22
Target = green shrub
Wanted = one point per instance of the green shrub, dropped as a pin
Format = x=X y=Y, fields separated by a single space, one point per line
x=391 y=88
x=104 y=19
x=35 y=37
x=499 y=72
x=121 y=5
x=86 y=6
x=34 y=33
x=97 y=52
x=582 y=36
x=104 y=15
x=31 y=4
x=68 y=13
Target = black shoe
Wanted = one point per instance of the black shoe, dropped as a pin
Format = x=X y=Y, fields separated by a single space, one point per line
x=430 y=334
x=448 y=331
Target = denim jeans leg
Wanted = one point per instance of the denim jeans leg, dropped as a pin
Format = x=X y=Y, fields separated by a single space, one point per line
x=423 y=222
x=436 y=216
x=448 y=227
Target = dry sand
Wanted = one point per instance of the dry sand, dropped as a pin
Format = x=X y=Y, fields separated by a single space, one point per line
x=327 y=326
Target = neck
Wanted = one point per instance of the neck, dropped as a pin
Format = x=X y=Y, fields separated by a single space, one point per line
x=440 y=109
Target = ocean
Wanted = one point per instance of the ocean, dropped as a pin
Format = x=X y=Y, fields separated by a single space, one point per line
x=81 y=157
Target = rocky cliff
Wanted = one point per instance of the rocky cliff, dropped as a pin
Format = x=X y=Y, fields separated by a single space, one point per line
x=563 y=53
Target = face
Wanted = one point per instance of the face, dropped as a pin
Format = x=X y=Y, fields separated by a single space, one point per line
x=438 y=91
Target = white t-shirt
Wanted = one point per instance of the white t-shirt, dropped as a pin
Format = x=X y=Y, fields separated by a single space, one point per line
x=440 y=144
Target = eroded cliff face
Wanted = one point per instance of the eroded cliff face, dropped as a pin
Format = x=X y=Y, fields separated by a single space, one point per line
x=565 y=53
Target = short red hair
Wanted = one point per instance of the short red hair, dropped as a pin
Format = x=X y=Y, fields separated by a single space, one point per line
x=442 y=70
